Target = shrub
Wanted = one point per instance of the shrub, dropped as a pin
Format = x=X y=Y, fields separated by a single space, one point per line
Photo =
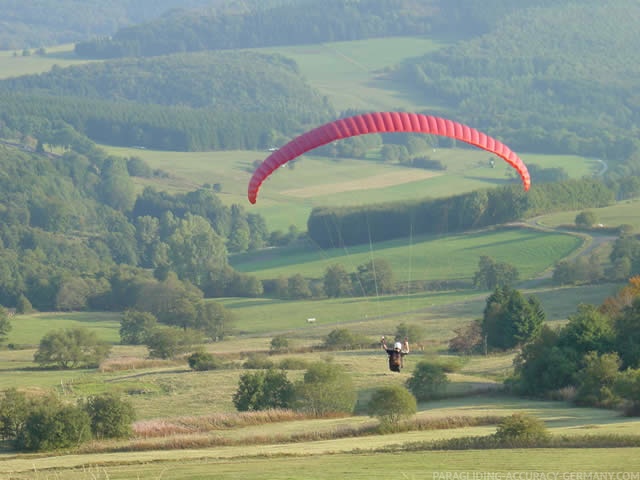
x=201 y=361
x=258 y=361
x=391 y=405
x=325 y=389
x=70 y=348
x=427 y=381
x=263 y=390
x=53 y=426
x=520 y=428
x=279 y=343
x=293 y=363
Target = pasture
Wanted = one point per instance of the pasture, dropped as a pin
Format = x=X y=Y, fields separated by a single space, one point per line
x=14 y=64
x=621 y=213
x=429 y=258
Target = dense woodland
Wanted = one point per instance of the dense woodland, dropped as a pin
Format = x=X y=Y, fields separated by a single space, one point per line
x=52 y=22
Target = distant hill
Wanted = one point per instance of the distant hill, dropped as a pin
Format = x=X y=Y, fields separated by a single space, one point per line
x=208 y=100
x=297 y=22
x=34 y=24
x=556 y=78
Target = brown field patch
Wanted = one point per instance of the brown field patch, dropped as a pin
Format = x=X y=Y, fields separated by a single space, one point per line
x=376 y=181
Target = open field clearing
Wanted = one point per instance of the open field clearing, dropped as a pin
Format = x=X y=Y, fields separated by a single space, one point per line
x=352 y=74
x=287 y=197
x=621 y=213
x=454 y=257
x=15 y=66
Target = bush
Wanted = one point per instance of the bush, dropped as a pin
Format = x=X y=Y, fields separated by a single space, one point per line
x=325 y=389
x=293 y=363
x=258 y=361
x=263 y=390
x=391 y=405
x=70 y=348
x=53 y=426
x=201 y=361
x=522 y=428
x=427 y=381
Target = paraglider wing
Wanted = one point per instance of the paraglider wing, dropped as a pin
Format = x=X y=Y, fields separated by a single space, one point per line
x=383 y=122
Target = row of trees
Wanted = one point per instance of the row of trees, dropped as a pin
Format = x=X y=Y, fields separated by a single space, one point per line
x=336 y=226
x=337 y=20
x=47 y=423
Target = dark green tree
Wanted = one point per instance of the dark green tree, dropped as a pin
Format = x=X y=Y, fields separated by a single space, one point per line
x=391 y=405
x=596 y=379
x=492 y=274
x=5 y=324
x=509 y=319
x=586 y=219
x=373 y=278
x=70 y=348
x=336 y=281
x=135 y=326
x=263 y=390
x=326 y=388
x=110 y=415
x=627 y=335
x=427 y=380
x=52 y=426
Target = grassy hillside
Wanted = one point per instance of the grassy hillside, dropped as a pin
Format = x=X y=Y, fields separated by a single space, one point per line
x=427 y=258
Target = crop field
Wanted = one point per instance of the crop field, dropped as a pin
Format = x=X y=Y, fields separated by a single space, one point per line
x=14 y=64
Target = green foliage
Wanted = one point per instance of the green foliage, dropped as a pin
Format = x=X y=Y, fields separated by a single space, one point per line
x=215 y=320
x=627 y=327
x=136 y=326
x=258 y=361
x=331 y=226
x=544 y=366
x=5 y=324
x=412 y=332
x=343 y=339
x=52 y=426
x=373 y=278
x=262 y=27
x=110 y=415
x=492 y=274
x=23 y=305
x=586 y=219
x=169 y=342
x=519 y=427
x=391 y=405
x=337 y=281
x=596 y=379
x=469 y=338
x=627 y=387
x=279 y=343
x=263 y=390
x=14 y=409
x=509 y=319
x=71 y=348
x=201 y=361
x=427 y=380
x=326 y=388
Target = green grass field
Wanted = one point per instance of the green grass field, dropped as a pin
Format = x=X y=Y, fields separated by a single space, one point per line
x=16 y=65
x=351 y=74
x=619 y=214
x=454 y=257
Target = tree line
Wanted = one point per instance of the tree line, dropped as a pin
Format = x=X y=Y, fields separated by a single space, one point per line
x=210 y=101
x=306 y=22
x=338 y=226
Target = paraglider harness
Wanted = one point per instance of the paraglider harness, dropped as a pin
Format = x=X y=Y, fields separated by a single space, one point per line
x=396 y=354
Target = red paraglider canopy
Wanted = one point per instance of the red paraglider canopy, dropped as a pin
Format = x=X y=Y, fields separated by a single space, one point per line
x=383 y=122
